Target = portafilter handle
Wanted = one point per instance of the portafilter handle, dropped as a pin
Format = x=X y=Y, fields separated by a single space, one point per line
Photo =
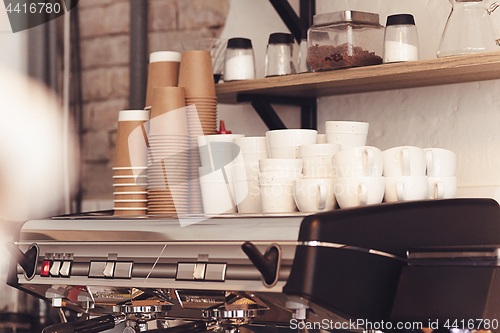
x=267 y=263
x=95 y=325
x=26 y=260
x=193 y=327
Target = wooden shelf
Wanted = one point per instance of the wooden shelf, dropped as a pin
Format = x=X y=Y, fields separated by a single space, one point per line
x=456 y=69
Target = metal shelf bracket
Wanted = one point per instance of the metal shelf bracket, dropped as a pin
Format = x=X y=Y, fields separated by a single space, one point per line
x=308 y=106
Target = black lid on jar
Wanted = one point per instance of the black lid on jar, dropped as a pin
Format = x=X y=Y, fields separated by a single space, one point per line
x=239 y=43
x=400 y=19
x=281 y=38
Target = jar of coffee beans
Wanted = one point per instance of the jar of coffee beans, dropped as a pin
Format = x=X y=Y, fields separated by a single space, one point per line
x=345 y=39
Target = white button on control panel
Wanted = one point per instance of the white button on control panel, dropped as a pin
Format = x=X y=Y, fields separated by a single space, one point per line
x=109 y=269
x=199 y=271
x=123 y=270
x=215 y=272
x=185 y=271
x=97 y=269
x=65 y=268
x=54 y=270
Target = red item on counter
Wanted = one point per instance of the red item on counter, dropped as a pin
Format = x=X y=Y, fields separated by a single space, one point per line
x=222 y=128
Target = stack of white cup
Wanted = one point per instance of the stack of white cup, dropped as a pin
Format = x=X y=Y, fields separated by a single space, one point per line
x=441 y=166
x=314 y=193
x=246 y=172
x=405 y=174
x=276 y=184
x=216 y=173
x=284 y=166
x=347 y=134
x=284 y=144
x=359 y=180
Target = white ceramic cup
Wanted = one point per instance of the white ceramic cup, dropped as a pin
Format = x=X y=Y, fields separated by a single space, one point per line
x=314 y=195
x=360 y=191
x=276 y=193
x=248 y=196
x=281 y=165
x=250 y=158
x=245 y=172
x=284 y=143
x=219 y=149
x=318 y=167
x=442 y=187
x=217 y=194
x=364 y=161
x=404 y=161
x=406 y=188
x=440 y=162
x=291 y=137
x=346 y=133
x=286 y=152
x=321 y=138
x=252 y=144
x=317 y=150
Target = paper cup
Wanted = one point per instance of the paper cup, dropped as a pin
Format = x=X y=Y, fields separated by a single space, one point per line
x=168 y=112
x=195 y=74
x=131 y=140
x=131 y=204
x=130 y=196
x=163 y=71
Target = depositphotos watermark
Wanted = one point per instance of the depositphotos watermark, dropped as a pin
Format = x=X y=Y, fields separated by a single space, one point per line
x=31 y=13
x=358 y=324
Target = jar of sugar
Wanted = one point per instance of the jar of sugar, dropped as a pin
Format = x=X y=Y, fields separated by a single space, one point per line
x=401 y=39
x=240 y=61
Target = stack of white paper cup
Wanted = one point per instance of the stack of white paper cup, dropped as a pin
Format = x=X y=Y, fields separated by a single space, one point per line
x=276 y=184
x=347 y=134
x=405 y=174
x=284 y=144
x=218 y=156
x=129 y=179
x=315 y=192
x=246 y=175
x=359 y=180
x=441 y=167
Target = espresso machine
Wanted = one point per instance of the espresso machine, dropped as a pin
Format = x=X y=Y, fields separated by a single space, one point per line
x=387 y=267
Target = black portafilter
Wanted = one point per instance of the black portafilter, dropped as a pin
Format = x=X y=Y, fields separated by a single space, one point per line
x=26 y=260
x=267 y=263
x=94 y=325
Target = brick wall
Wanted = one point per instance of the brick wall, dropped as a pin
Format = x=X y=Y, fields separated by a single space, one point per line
x=104 y=30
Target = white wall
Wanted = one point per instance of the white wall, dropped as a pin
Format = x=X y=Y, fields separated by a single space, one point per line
x=13 y=46
x=462 y=117
x=255 y=19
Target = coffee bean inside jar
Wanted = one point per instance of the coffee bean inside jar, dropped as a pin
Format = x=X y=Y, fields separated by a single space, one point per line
x=345 y=39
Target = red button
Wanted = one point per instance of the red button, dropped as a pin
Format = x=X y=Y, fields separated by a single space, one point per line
x=45 y=268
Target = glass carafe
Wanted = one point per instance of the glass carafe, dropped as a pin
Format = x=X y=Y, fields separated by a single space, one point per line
x=470 y=29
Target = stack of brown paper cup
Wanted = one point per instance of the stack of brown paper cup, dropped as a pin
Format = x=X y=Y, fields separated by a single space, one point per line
x=196 y=76
x=129 y=179
x=163 y=71
x=167 y=172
